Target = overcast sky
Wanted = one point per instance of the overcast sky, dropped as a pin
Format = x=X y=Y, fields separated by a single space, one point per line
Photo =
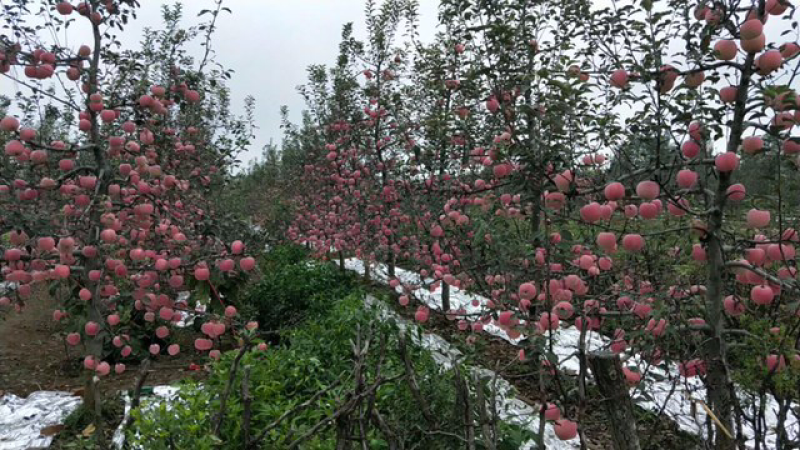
x=269 y=43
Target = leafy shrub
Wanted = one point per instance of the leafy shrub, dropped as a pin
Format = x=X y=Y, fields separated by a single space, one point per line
x=286 y=376
x=284 y=255
x=293 y=289
x=183 y=423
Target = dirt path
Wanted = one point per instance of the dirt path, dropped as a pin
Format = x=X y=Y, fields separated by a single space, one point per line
x=34 y=357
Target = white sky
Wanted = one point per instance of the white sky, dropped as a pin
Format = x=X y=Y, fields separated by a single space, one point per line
x=269 y=43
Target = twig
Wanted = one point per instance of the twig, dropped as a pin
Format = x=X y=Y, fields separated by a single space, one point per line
x=463 y=393
x=295 y=410
x=482 y=414
x=347 y=408
x=247 y=401
x=211 y=28
x=42 y=91
x=137 y=391
x=412 y=382
x=217 y=419
x=714 y=418
x=388 y=433
x=136 y=396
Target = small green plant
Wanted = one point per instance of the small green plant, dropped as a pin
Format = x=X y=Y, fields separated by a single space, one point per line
x=320 y=356
x=80 y=432
x=180 y=423
x=293 y=289
x=283 y=255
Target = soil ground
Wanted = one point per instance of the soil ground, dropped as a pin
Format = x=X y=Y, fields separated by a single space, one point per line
x=34 y=356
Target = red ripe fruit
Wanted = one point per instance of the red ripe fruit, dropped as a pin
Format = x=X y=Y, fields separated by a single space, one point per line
x=725 y=50
x=552 y=412
x=91 y=328
x=775 y=363
x=247 y=264
x=753 y=145
x=619 y=79
x=758 y=218
x=736 y=192
x=64 y=8
x=607 y=241
x=633 y=243
x=762 y=295
x=566 y=429
x=687 y=178
x=728 y=94
x=727 y=162
x=754 y=45
x=770 y=61
x=614 y=191
x=103 y=369
x=690 y=149
x=230 y=311
x=648 y=190
x=632 y=378
x=527 y=291
x=422 y=314
x=237 y=247
x=203 y=344
x=776 y=7
x=61 y=271
x=192 y=96
x=202 y=273
x=108 y=115
x=9 y=123
x=591 y=213
x=751 y=29
x=733 y=307
x=227 y=265
x=73 y=339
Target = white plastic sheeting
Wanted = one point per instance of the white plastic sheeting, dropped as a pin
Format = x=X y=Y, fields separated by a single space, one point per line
x=23 y=419
x=7 y=286
x=160 y=395
x=509 y=409
x=665 y=391
x=187 y=318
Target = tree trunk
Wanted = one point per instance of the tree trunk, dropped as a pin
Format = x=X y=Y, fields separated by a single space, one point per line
x=92 y=398
x=343 y=432
x=718 y=382
x=247 y=402
x=391 y=257
x=445 y=297
x=714 y=351
x=341 y=261
x=619 y=407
